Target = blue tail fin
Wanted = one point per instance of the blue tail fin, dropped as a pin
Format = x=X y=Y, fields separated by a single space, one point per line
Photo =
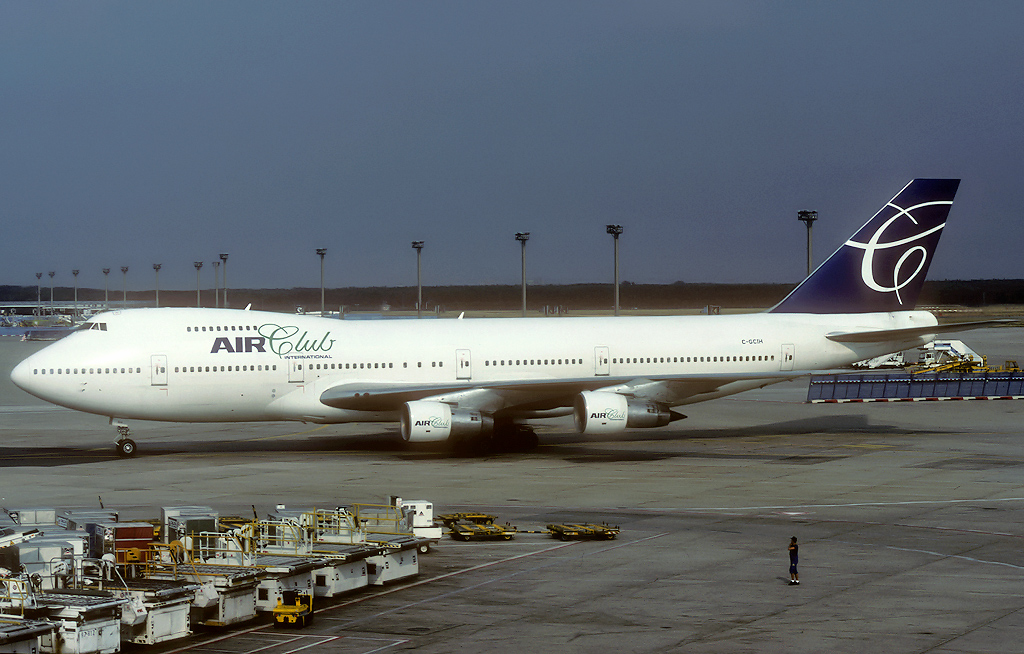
x=883 y=266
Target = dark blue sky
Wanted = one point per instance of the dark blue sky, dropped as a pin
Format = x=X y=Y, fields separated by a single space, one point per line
x=140 y=133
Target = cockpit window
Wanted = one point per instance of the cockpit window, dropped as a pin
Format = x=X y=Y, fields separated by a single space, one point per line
x=102 y=326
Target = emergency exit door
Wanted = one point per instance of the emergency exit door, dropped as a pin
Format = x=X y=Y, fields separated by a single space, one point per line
x=602 y=365
x=463 y=365
x=158 y=365
x=295 y=371
x=788 y=354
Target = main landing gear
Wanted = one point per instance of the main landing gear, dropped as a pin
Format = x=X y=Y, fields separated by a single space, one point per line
x=125 y=445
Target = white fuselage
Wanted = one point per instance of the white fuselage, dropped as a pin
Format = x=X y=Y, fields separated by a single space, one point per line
x=222 y=365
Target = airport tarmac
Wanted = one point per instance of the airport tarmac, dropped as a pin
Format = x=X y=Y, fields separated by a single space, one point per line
x=910 y=519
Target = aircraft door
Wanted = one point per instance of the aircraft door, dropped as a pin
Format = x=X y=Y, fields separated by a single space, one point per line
x=158 y=366
x=295 y=372
x=601 y=361
x=788 y=354
x=463 y=365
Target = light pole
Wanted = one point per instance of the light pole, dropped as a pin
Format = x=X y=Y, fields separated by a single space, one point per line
x=616 y=231
x=75 y=273
x=106 y=288
x=216 y=284
x=418 y=246
x=198 y=265
x=321 y=252
x=39 y=294
x=224 y=258
x=156 y=271
x=808 y=218
x=124 y=287
x=52 y=273
x=523 y=237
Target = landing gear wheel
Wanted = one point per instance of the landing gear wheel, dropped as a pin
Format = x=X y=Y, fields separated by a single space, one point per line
x=126 y=447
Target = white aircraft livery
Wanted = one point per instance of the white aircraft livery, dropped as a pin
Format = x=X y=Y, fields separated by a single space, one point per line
x=483 y=380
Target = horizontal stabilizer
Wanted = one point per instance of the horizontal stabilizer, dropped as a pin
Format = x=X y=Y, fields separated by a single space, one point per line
x=883 y=335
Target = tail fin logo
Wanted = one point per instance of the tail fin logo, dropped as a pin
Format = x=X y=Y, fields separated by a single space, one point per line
x=900 y=279
x=882 y=267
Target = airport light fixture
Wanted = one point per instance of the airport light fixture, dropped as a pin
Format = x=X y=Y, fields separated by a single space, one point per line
x=156 y=270
x=616 y=231
x=523 y=237
x=321 y=252
x=198 y=265
x=75 y=273
x=106 y=288
x=52 y=273
x=124 y=287
x=216 y=284
x=224 y=258
x=418 y=246
x=808 y=218
x=39 y=294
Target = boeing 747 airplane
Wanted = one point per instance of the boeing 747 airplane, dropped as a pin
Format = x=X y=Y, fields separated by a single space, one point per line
x=485 y=379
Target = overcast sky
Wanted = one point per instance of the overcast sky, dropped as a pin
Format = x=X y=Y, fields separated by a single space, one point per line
x=136 y=133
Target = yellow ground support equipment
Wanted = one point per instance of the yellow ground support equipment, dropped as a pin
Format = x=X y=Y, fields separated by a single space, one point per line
x=583 y=530
x=476 y=518
x=294 y=609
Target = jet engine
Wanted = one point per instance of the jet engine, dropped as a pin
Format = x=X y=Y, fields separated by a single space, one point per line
x=424 y=421
x=596 y=412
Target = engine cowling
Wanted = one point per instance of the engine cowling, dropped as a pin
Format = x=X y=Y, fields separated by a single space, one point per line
x=424 y=421
x=595 y=412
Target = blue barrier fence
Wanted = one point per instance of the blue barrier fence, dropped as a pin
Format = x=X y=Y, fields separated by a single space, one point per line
x=904 y=386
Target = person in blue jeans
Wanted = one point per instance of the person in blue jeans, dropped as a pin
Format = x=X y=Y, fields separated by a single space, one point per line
x=794 y=576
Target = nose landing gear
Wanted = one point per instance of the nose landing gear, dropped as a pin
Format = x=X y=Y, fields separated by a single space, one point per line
x=125 y=445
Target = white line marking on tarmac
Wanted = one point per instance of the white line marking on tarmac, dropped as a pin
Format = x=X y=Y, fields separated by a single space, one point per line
x=486 y=582
x=931 y=553
x=784 y=507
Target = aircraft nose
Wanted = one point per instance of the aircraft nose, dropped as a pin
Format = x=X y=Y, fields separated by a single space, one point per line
x=22 y=376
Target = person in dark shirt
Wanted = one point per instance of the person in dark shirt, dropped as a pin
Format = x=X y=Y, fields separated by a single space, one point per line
x=794 y=576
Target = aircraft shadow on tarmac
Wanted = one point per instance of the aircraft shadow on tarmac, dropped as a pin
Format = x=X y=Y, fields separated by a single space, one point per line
x=638 y=445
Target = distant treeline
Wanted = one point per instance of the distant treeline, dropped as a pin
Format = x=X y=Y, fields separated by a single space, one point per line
x=572 y=297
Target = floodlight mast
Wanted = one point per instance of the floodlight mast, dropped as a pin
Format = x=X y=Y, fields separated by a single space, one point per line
x=75 y=273
x=52 y=273
x=224 y=279
x=106 y=288
x=39 y=294
x=523 y=237
x=616 y=231
x=321 y=252
x=418 y=246
x=808 y=218
x=198 y=265
x=156 y=270
x=124 y=287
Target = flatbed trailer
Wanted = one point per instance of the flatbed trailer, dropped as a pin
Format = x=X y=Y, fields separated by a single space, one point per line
x=583 y=530
x=466 y=531
x=448 y=519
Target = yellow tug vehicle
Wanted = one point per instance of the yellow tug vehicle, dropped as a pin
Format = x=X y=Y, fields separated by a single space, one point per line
x=294 y=609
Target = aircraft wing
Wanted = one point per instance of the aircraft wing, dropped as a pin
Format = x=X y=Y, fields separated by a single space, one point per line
x=882 y=335
x=539 y=394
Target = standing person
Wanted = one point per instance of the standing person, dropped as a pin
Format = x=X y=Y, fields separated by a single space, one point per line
x=794 y=576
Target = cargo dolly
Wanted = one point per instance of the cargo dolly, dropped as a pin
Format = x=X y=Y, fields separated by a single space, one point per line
x=476 y=526
x=476 y=518
x=583 y=530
